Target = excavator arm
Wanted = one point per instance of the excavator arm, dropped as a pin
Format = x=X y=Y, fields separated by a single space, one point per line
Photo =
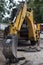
x=31 y=25
x=19 y=19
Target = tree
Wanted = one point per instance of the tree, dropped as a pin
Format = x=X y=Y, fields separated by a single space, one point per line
x=5 y=9
x=37 y=14
x=37 y=8
x=2 y=9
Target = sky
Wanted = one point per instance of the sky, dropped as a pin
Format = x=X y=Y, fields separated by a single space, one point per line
x=17 y=0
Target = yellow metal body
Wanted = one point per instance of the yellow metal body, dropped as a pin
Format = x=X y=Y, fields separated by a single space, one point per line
x=31 y=26
x=33 y=29
x=19 y=20
x=38 y=31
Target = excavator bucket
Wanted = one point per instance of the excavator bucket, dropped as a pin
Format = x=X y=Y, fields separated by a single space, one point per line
x=10 y=47
x=14 y=45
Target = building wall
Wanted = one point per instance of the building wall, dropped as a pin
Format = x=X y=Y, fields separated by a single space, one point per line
x=2 y=26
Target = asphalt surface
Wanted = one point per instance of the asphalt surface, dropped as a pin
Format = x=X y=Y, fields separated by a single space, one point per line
x=31 y=58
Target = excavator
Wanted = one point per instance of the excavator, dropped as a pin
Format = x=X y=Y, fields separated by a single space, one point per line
x=23 y=26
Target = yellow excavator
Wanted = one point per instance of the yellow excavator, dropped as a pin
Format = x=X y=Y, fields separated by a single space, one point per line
x=23 y=26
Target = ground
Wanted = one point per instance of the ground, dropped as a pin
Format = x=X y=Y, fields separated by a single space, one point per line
x=31 y=58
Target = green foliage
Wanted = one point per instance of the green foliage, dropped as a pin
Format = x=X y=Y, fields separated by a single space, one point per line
x=5 y=7
x=37 y=6
x=2 y=9
x=2 y=5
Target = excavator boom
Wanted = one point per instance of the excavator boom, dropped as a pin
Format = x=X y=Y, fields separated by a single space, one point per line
x=19 y=19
